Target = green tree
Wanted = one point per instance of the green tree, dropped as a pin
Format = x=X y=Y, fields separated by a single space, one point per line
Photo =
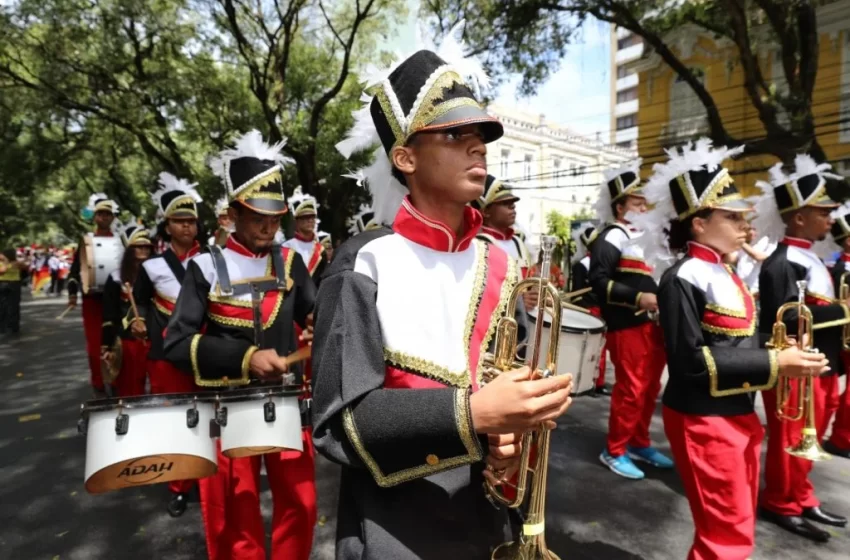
x=790 y=25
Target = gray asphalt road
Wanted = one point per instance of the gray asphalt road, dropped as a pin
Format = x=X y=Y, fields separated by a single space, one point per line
x=45 y=513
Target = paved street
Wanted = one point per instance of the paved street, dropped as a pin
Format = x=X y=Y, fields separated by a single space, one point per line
x=45 y=513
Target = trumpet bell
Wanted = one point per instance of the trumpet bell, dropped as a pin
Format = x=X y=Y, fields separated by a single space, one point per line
x=808 y=448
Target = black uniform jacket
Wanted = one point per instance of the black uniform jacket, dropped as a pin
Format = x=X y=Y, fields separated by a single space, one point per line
x=156 y=290
x=403 y=318
x=581 y=280
x=212 y=335
x=709 y=321
x=619 y=275
x=792 y=261
x=116 y=308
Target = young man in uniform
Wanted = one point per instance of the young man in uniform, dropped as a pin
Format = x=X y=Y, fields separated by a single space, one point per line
x=224 y=337
x=403 y=319
x=303 y=208
x=625 y=289
x=797 y=206
x=498 y=207
x=156 y=290
x=839 y=440
x=104 y=211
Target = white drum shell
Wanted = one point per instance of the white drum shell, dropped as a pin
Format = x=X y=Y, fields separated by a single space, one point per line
x=578 y=352
x=247 y=433
x=104 y=257
x=153 y=435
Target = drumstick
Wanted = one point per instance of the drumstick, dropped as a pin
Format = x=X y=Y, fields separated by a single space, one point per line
x=576 y=293
x=298 y=356
x=129 y=289
x=62 y=315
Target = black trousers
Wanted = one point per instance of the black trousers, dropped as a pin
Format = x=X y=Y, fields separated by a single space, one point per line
x=10 y=307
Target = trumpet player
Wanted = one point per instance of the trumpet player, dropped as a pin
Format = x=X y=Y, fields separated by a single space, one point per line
x=839 y=440
x=796 y=205
x=403 y=318
x=625 y=288
x=715 y=365
x=130 y=381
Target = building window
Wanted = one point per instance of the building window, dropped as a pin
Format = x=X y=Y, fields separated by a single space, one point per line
x=624 y=71
x=687 y=113
x=629 y=144
x=526 y=167
x=844 y=131
x=628 y=41
x=627 y=95
x=628 y=121
x=556 y=164
x=573 y=170
x=504 y=164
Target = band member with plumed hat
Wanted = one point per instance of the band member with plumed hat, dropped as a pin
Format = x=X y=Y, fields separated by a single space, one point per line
x=304 y=208
x=103 y=211
x=156 y=290
x=625 y=288
x=403 y=317
x=225 y=226
x=232 y=326
x=715 y=364
x=498 y=207
x=794 y=209
x=364 y=220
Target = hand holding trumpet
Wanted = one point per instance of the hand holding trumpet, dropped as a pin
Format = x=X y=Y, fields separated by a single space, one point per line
x=794 y=362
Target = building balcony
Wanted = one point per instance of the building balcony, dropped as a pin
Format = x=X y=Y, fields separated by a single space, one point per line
x=626 y=108
x=627 y=82
x=626 y=135
x=683 y=130
x=628 y=54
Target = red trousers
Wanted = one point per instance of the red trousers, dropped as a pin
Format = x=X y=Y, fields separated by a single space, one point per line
x=165 y=378
x=788 y=489
x=92 y=324
x=131 y=381
x=230 y=503
x=840 y=437
x=600 y=381
x=639 y=359
x=718 y=460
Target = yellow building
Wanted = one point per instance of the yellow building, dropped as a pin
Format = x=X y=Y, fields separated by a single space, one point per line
x=670 y=113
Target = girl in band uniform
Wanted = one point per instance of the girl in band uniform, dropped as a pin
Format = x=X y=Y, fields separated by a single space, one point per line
x=715 y=365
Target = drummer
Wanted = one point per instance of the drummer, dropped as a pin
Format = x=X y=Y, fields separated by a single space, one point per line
x=156 y=291
x=116 y=306
x=224 y=340
x=104 y=211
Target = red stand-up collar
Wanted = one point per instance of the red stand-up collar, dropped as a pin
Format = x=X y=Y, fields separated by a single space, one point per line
x=501 y=235
x=412 y=224
x=238 y=247
x=300 y=237
x=703 y=253
x=107 y=234
x=797 y=242
x=193 y=250
x=845 y=257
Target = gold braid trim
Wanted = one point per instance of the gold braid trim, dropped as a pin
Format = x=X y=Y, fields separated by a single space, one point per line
x=728 y=311
x=628 y=270
x=162 y=309
x=746 y=387
x=621 y=304
x=836 y=322
x=246 y=323
x=463 y=417
x=729 y=331
x=193 y=356
x=405 y=475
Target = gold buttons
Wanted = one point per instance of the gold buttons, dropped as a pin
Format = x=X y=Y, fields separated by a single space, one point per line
x=746 y=385
x=432 y=459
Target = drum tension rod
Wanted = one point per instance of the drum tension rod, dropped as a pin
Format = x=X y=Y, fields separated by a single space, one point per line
x=269 y=410
x=192 y=416
x=83 y=422
x=220 y=412
x=122 y=421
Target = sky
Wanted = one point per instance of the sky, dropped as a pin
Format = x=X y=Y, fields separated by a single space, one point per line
x=577 y=96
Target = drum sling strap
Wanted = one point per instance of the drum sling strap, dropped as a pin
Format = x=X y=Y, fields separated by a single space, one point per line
x=174 y=265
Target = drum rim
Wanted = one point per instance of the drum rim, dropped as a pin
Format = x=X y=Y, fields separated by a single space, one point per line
x=258 y=393
x=576 y=330
x=179 y=399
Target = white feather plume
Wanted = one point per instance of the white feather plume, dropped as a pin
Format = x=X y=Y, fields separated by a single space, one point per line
x=581 y=248
x=250 y=144
x=170 y=183
x=221 y=206
x=841 y=212
x=354 y=222
x=299 y=197
x=768 y=222
x=100 y=196
x=602 y=207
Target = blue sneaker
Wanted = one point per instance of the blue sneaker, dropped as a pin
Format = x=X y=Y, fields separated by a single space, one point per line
x=652 y=456
x=621 y=465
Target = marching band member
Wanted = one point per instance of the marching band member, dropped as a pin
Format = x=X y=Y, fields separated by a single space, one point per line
x=327 y=242
x=11 y=268
x=625 y=289
x=498 y=207
x=750 y=257
x=364 y=220
x=104 y=211
x=219 y=338
x=303 y=207
x=225 y=225
x=580 y=271
x=156 y=290
x=715 y=364
x=403 y=317
x=839 y=441
x=116 y=307
x=798 y=207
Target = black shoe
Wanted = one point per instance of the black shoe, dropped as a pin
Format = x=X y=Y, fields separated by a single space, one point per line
x=177 y=505
x=795 y=524
x=830 y=448
x=605 y=390
x=824 y=517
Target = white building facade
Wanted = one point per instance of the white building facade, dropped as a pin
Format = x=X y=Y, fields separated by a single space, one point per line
x=626 y=47
x=550 y=167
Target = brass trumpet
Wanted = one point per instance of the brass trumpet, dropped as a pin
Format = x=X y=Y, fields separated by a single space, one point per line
x=531 y=544
x=843 y=294
x=808 y=448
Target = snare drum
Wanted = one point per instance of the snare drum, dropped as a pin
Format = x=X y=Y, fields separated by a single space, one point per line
x=259 y=420
x=99 y=256
x=147 y=440
x=580 y=347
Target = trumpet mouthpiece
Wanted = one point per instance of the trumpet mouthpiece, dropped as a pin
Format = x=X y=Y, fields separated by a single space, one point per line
x=547 y=243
